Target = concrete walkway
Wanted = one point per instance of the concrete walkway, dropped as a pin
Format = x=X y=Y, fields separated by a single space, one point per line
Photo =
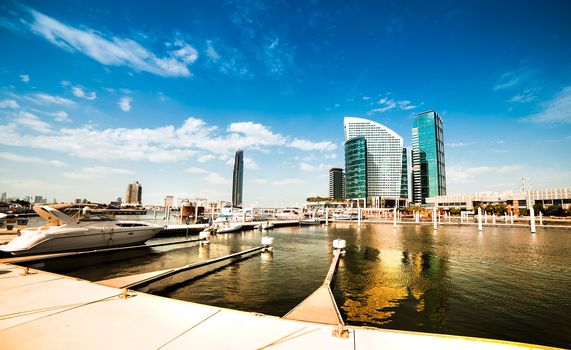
x=41 y=310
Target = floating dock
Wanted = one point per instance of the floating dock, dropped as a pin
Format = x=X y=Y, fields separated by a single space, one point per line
x=40 y=310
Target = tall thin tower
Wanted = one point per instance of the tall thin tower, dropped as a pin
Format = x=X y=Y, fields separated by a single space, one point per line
x=237 y=178
x=428 y=166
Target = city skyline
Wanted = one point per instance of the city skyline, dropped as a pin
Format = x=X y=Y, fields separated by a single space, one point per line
x=93 y=97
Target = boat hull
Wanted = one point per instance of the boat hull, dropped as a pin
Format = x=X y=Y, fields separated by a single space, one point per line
x=80 y=240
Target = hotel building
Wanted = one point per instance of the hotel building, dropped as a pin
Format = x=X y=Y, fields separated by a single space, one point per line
x=336 y=183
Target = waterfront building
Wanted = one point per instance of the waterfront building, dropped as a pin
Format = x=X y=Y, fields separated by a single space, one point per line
x=356 y=168
x=428 y=166
x=237 y=179
x=3 y=197
x=404 y=175
x=169 y=201
x=384 y=159
x=524 y=199
x=336 y=183
x=134 y=194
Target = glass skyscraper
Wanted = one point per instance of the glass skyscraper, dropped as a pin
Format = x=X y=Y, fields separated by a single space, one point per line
x=356 y=168
x=384 y=157
x=237 y=179
x=428 y=167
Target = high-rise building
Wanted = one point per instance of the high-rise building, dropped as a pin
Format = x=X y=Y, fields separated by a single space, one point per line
x=3 y=197
x=384 y=157
x=237 y=178
x=356 y=168
x=336 y=183
x=404 y=176
x=134 y=194
x=428 y=167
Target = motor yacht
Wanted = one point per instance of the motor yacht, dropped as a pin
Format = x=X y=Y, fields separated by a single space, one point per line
x=65 y=233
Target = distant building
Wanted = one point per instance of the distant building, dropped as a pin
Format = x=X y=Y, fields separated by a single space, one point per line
x=336 y=183
x=169 y=201
x=38 y=199
x=134 y=194
x=383 y=160
x=237 y=179
x=3 y=197
x=404 y=175
x=428 y=166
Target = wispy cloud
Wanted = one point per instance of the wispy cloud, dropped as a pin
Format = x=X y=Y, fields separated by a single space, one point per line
x=45 y=99
x=460 y=174
x=216 y=179
x=96 y=172
x=9 y=104
x=314 y=168
x=227 y=59
x=459 y=144
x=78 y=91
x=25 y=78
x=389 y=103
x=307 y=145
x=32 y=121
x=288 y=181
x=25 y=159
x=195 y=170
x=278 y=55
x=125 y=104
x=194 y=138
x=513 y=78
x=111 y=50
x=555 y=111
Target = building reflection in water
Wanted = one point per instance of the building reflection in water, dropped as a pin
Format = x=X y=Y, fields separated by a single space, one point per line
x=391 y=282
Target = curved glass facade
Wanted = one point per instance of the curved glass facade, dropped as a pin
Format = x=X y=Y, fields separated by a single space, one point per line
x=384 y=156
x=356 y=168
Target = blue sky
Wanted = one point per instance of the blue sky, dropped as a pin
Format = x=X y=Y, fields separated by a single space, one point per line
x=95 y=95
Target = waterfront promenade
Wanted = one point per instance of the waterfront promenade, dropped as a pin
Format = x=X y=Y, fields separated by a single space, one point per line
x=41 y=310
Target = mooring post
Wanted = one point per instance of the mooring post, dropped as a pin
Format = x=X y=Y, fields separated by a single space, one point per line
x=359 y=217
x=540 y=219
x=195 y=213
x=479 y=219
x=506 y=217
x=532 y=220
x=511 y=218
x=434 y=218
x=486 y=217
x=494 y=218
x=326 y=216
x=395 y=217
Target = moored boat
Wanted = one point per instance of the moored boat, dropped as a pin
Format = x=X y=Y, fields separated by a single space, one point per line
x=64 y=233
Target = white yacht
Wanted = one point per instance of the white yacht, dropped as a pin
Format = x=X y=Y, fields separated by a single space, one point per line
x=64 y=233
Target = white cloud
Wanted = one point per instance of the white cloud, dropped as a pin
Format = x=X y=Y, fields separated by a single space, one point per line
x=79 y=92
x=9 y=104
x=203 y=158
x=42 y=98
x=30 y=120
x=405 y=105
x=211 y=52
x=312 y=146
x=60 y=116
x=96 y=172
x=555 y=111
x=194 y=138
x=250 y=164
x=25 y=78
x=216 y=179
x=525 y=96
x=314 y=168
x=260 y=181
x=195 y=170
x=115 y=51
x=513 y=78
x=460 y=174
x=25 y=159
x=459 y=144
x=125 y=104
x=366 y=98
x=288 y=181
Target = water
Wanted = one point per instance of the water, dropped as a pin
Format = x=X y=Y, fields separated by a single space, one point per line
x=504 y=283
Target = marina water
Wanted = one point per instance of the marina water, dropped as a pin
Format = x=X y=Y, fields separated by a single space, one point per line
x=503 y=283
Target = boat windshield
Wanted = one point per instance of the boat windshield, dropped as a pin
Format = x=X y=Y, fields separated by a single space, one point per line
x=95 y=217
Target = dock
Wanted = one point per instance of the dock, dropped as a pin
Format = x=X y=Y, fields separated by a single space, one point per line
x=320 y=306
x=41 y=310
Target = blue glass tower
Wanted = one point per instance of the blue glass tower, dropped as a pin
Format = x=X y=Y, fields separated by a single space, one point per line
x=356 y=168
